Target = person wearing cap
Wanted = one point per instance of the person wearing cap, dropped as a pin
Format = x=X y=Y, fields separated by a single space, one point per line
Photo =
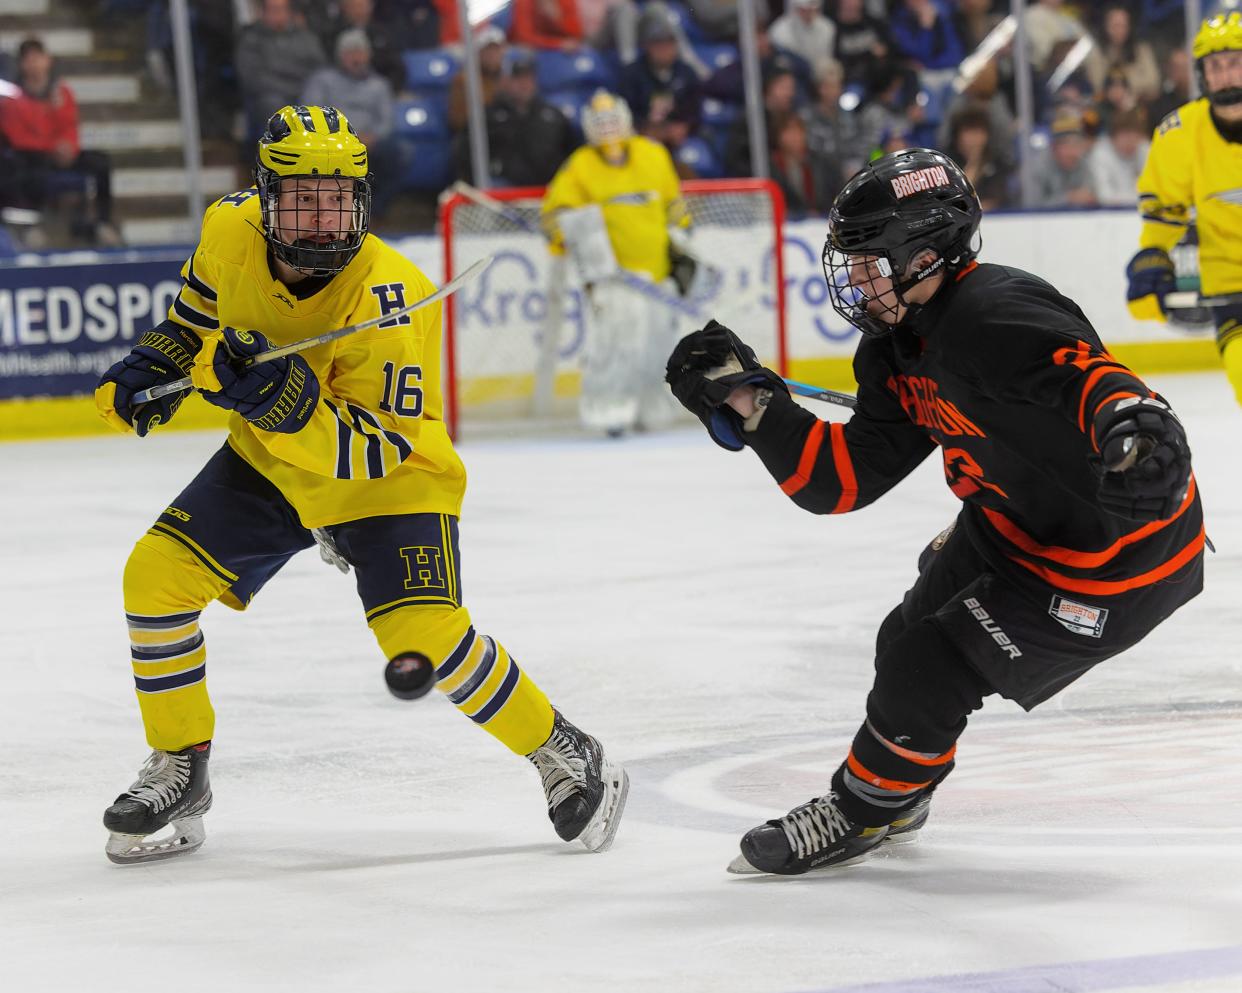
x=527 y=137
x=803 y=30
x=550 y=24
x=353 y=86
x=660 y=83
x=490 y=44
x=1064 y=180
x=386 y=34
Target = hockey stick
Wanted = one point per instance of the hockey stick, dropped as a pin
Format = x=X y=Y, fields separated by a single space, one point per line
x=1188 y=299
x=449 y=288
x=819 y=393
x=634 y=282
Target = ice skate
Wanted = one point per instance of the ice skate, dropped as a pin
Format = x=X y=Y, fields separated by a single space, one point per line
x=906 y=828
x=586 y=793
x=813 y=836
x=172 y=791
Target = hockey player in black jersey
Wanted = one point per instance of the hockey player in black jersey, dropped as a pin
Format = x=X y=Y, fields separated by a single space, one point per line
x=1080 y=529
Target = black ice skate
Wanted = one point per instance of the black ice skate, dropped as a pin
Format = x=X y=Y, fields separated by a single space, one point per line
x=586 y=793
x=906 y=828
x=172 y=790
x=813 y=836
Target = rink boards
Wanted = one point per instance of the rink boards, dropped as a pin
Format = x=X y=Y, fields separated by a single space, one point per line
x=64 y=320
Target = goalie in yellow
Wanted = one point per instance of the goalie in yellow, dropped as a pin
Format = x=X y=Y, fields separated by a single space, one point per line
x=343 y=444
x=615 y=207
x=1194 y=172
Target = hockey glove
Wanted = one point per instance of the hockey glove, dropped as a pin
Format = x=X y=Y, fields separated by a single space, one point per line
x=705 y=367
x=1143 y=460
x=1151 y=277
x=273 y=396
x=162 y=355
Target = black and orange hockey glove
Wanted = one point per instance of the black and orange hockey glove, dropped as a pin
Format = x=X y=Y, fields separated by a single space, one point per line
x=1143 y=458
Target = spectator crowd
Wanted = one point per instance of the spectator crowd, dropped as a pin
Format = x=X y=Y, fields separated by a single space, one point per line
x=842 y=81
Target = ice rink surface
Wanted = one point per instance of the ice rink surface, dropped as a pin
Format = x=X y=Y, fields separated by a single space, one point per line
x=718 y=640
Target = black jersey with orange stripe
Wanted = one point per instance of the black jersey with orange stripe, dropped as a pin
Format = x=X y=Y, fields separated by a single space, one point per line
x=1004 y=374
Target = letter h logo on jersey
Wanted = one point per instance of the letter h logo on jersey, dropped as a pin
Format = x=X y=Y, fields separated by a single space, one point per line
x=391 y=296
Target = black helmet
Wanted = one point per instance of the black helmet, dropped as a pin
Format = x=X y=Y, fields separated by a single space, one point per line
x=892 y=210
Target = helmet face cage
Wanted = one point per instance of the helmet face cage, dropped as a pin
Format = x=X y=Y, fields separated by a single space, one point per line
x=607 y=121
x=851 y=286
x=318 y=234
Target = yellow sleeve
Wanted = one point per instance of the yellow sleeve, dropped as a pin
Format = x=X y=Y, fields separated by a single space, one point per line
x=565 y=192
x=676 y=213
x=370 y=414
x=1165 y=186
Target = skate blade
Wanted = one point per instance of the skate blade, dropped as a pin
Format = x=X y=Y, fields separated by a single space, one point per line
x=598 y=834
x=741 y=867
x=133 y=849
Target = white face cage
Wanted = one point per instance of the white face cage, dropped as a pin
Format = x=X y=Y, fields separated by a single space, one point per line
x=607 y=125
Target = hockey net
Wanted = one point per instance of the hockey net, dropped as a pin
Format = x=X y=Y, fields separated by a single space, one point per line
x=513 y=338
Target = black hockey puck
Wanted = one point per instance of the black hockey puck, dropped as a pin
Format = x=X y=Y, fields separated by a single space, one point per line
x=410 y=675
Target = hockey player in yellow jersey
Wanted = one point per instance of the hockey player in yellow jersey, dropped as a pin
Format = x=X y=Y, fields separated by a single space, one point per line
x=1194 y=172
x=343 y=444
x=616 y=204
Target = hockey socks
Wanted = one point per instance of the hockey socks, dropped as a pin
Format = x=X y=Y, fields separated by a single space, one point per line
x=880 y=780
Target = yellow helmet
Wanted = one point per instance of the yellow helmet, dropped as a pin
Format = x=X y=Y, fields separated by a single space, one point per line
x=1221 y=33
x=314 y=143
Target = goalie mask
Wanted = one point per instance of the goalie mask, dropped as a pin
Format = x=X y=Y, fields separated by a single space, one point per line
x=314 y=189
x=607 y=125
x=1222 y=33
x=901 y=219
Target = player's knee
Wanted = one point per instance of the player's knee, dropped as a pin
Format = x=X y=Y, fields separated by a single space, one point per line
x=890 y=628
x=434 y=632
x=923 y=687
x=162 y=577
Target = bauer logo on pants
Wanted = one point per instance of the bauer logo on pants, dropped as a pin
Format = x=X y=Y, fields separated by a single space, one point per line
x=1079 y=617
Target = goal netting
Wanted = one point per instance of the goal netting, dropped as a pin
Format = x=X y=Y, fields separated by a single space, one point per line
x=513 y=338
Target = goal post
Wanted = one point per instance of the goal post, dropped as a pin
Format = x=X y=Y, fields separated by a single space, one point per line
x=513 y=338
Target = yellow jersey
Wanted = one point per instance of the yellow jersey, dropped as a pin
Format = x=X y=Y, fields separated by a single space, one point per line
x=377 y=443
x=1191 y=167
x=640 y=199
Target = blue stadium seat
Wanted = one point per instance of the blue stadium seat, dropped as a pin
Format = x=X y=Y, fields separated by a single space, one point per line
x=685 y=20
x=716 y=56
x=429 y=69
x=585 y=69
x=570 y=103
x=701 y=157
x=431 y=165
x=717 y=113
x=422 y=118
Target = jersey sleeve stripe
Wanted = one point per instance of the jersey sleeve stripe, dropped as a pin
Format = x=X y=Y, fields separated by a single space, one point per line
x=845 y=471
x=1093 y=377
x=806 y=462
x=197 y=285
x=188 y=315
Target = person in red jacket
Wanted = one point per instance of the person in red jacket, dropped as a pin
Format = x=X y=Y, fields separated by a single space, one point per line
x=39 y=130
x=546 y=24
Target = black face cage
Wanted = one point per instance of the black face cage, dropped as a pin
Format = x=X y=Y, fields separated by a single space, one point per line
x=306 y=251
x=850 y=299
